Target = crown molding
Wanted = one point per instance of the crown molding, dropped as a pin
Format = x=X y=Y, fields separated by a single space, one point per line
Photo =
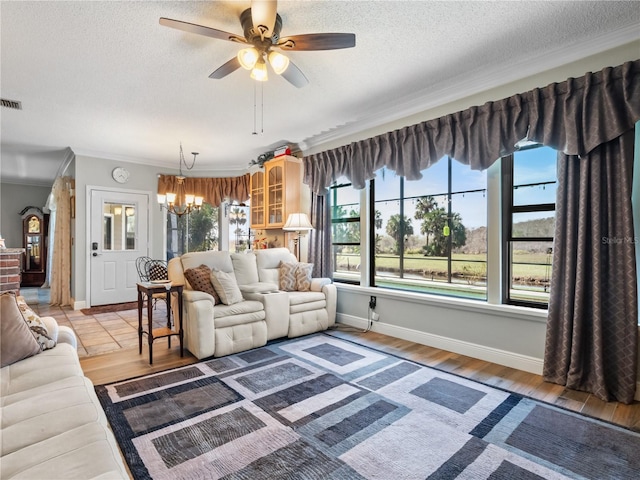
x=233 y=168
x=428 y=98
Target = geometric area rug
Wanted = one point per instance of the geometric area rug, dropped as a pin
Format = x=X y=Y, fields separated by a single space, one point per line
x=318 y=407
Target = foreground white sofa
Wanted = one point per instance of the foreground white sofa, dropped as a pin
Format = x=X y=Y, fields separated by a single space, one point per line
x=265 y=313
x=53 y=425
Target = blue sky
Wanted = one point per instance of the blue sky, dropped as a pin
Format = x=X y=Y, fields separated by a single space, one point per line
x=530 y=166
x=472 y=206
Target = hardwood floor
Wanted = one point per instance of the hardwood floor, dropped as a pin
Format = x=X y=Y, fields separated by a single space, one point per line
x=126 y=363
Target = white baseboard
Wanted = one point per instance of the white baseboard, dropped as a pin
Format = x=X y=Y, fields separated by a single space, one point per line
x=79 y=305
x=494 y=355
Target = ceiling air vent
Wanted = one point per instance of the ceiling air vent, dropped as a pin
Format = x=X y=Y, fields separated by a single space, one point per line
x=11 y=104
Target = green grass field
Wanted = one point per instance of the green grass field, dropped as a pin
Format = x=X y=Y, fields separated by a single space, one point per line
x=530 y=266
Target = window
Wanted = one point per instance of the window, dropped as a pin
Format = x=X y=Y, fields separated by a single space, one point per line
x=240 y=235
x=195 y=232
x=430 y=235
x=345 y=232
x=529 y=193
x=119 y=227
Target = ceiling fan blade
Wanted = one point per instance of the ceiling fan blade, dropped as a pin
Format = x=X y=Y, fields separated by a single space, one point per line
x=224 y=70
x=318 y=41
x=201 y=30
x=294 y=76
x=263 y=16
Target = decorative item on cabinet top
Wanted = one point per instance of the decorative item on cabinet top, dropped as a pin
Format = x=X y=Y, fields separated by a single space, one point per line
x=263 y=158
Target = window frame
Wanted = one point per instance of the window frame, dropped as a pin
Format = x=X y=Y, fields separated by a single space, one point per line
x=508 y=209
x=449 y=194
x=182 y=232
x=336 y=221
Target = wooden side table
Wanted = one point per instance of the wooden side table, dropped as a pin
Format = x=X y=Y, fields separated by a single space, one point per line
x=148 y=289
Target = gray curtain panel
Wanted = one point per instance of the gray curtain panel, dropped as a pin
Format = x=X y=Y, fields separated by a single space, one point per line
x=592 y=328
x=320 y=253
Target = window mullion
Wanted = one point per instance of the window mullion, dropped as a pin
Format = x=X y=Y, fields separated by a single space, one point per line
x=449 y=222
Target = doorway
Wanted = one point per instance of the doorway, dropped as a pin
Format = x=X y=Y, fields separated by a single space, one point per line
x=119 y=233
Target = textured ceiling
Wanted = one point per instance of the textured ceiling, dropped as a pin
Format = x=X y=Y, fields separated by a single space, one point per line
x=105 y=79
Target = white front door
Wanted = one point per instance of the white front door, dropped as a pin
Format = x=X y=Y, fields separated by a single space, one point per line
x=119 y=229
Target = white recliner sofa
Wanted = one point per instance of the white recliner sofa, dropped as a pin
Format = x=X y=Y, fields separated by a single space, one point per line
x=210 y=328
x=53 y=425
x=265 y=312
x=308 y=312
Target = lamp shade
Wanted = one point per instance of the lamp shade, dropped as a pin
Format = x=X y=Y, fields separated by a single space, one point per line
x=259 y=72
x=248 y=58
x=278 y=62
x=298 y=222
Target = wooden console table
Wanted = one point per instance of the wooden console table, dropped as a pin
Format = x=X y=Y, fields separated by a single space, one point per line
x=147 y=290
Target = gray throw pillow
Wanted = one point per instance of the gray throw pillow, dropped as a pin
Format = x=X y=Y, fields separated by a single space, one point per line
x=287 y=280
x=16 y=340
x=226 y=287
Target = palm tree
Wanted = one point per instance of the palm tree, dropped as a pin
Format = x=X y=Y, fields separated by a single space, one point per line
x=432 y=226
x=399 y=227
x=237 y=217
x=424 y=207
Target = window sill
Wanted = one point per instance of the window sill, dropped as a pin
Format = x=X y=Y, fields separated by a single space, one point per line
x=523 y=313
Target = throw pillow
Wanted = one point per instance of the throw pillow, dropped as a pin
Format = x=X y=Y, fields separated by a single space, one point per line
x=288 y=276
x=16 y=340
x=226 y=286
x=295 y=277
x=37 y=326
x=245 y=268
x=303 y=276
x=200 y=279
x=158 y=271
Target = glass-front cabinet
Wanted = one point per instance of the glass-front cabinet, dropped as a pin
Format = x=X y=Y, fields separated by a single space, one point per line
x=257 y=200
x=275 y=192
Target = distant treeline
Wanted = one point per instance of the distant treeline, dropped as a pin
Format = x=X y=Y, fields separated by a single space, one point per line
x=477 y=237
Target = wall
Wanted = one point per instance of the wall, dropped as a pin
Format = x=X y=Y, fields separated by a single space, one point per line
x=499 y=333
x=13 y=199
x=96 y=172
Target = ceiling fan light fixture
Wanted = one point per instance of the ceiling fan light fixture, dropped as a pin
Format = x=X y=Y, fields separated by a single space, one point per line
x=278 y=62
x=248 y=58
x=259 y=72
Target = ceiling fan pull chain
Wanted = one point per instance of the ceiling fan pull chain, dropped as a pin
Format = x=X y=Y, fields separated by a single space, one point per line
x=262 y=108
x=254 y=110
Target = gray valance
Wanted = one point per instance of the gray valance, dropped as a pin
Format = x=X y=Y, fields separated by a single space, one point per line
x=574 y=117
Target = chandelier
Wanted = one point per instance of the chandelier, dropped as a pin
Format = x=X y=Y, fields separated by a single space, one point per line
x=180 y=202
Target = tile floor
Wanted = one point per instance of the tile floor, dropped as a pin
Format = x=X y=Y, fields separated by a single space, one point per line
x=99 y=333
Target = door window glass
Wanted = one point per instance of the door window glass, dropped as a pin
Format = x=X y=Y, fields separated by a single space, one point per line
x=119 y=227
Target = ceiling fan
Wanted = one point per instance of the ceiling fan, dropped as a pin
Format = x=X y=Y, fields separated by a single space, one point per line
x=262 y=25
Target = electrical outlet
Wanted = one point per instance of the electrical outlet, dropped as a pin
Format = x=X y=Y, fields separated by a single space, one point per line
x=372 y=302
